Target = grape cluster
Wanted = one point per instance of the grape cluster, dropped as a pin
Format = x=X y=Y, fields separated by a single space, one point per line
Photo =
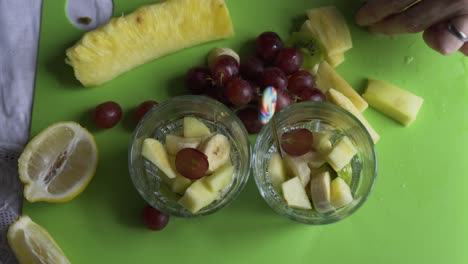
x=240 y=85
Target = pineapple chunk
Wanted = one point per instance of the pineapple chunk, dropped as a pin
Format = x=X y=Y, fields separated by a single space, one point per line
x=328 y=78
x=341 y=154
x=194 y=128
x=331 y=28
x=220 y=178
x=148 y=33
x=335 y=60
x=295 y=194
x=277 y=171
x=197 y=196
x=393 y=101
x=154 y=151
x=343 y=101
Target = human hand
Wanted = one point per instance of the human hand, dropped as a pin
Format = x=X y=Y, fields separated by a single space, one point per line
x=391 y=17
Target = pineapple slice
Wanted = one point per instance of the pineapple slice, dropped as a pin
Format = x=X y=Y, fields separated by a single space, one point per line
x=393 y=101
x=340 y=100
x=328 y=78
x=342 y=153
x=146 y=34
x=335 y=60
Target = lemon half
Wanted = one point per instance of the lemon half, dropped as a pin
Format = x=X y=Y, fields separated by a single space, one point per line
x=33 y=244
x=58 y=163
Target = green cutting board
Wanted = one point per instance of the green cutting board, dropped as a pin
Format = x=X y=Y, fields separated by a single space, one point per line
x=415 y=214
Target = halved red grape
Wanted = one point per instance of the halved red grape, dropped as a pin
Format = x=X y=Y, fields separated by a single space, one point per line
x=107 y=114
x=224 y=68
x=299 y=81
x=143 y=108
x=191 y=163
x=198 y=80
x=239 y=92
x=283 y=100
x=274 y=77
x=289 y=60
x=297 y=142
x=311 y=95
x=251 y=68
x=268 y=45
x=154 y=219
x=250 y=119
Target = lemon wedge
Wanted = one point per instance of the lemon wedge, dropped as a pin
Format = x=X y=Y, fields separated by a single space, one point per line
x=33 y=244
x=58 y=163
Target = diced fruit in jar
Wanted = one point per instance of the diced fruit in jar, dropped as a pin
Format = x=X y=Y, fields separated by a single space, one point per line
x=175 y=143
x=191 y=163
x=221 y=178
x=295 y=194
x=340 y=193
x=155 y=152
x=297 y=142
x=341 y=154
x=322 y=142
x=194 y=128
x=346 y=173
x=297 y=167
x=401 y=105
x=277 y=171
x=320 y=192
x=198 y=196
x=218 y=150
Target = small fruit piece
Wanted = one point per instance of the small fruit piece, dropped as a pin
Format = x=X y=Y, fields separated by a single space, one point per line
x=313 y=94
x=31 y=243
x=341 y=100
x=299 y=81
x=238 y=92
x=218 y=150
x=322 y=143
x=154 y=219
x=289 y=60
x=277 y=171
x=340 y=193
x=310 y=47
x=342 y=153
x=295 y=194
x=297 y=142
x=155 y=152
x=198 y=80
x=251 y=68
x=220 y=178
x=143 y=108
x=320 y=192
x=399 y=104
x=335 y=60
x=250 y=119
x=328 y=78
x=107 y=115
x=268 y=45
x=331 y=28
x=147 y=33
x=283 y=99
x=298 y=166
x=191 y=163
x=224 y=68
x=346 y=173
x=198 y=196
x=174 y=143
x=274 y=77
x=194 y=128
x=217 y=52
x=58 y=163
x=178 y=184
x=314 y=170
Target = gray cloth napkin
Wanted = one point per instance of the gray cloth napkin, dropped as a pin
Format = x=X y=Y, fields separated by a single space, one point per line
x=19 y=31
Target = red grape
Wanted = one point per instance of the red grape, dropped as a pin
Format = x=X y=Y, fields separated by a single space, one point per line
x=299 y=81
x=283 y=100
x=198 y=80
x=191 y=163
x=297 y=142
x=311 y=95
x=251 y=68
x=289 y=60
x=154 y=219
x=224 y=68
x=267 y=45
x=239 y=92
x=143 y=108
x=107 y=115
x=274 y=77
x=250 y=119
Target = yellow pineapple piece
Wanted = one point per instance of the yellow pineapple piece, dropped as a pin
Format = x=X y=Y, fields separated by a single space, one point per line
x=148 y=33
x=335 y=60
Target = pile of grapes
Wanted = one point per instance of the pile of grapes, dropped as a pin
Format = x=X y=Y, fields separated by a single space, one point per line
x=240 y=85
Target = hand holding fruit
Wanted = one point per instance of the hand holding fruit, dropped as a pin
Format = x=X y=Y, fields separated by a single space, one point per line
x=412 y=16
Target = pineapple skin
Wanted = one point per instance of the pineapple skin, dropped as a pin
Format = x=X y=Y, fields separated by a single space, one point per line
x=146 y=34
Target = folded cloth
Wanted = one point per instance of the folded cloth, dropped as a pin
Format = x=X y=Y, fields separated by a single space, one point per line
x=19 y=31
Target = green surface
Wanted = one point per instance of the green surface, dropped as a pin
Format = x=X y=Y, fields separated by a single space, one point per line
x=416 y=213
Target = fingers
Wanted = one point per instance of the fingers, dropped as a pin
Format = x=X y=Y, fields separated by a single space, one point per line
x=418 y=17
x=376 y=10
x=439 y=38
